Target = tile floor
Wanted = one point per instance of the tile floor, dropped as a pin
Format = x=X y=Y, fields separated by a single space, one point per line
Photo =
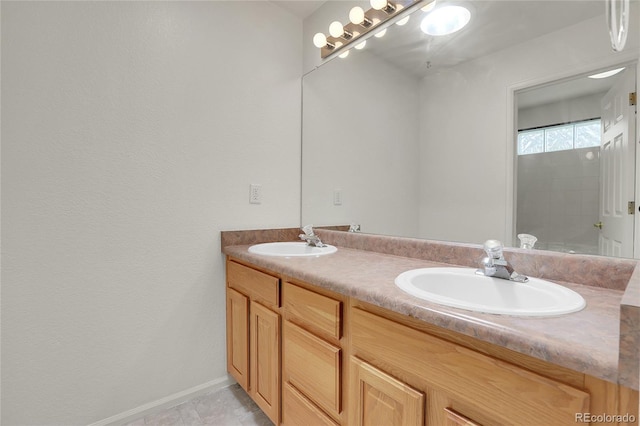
x=230 y=406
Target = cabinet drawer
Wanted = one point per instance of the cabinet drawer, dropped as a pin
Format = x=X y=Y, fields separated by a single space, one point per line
x=298 y=410
x=313 y=367
x=255 y=284
x=313 y=311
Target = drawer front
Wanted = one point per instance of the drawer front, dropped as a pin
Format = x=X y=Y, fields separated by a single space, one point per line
x=298 y=410
x=313 y=311
x=255 y=284
x=506 y=391
x=313 y=367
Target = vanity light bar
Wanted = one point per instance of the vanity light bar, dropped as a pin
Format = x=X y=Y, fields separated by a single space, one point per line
x=374 y=18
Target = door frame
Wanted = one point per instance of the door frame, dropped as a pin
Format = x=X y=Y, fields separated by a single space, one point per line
x=511 y=184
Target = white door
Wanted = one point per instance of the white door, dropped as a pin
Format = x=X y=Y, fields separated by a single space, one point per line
x=617 y=168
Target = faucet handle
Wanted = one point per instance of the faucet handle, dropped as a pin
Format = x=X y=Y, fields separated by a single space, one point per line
x=493 y=248
x=308 y=230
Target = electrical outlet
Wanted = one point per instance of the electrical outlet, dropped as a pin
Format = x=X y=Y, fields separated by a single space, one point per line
x=255 y=193
x=337 y=197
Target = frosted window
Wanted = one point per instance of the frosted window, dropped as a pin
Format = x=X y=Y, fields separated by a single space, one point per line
x=558 y=138
x=582 y=134
x=587 y=134
x=530 y=142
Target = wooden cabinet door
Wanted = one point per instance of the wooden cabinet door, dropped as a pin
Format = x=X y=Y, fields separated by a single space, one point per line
x=378 y=399
x=265 y=360
x=238 y=337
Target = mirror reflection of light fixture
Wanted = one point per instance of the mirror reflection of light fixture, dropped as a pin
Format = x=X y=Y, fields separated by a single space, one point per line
x=363 y=24
x=606 y=73
x=428 y=8
x=404 y=20
x=618 y=22
x=343 y=54
x=445 y=20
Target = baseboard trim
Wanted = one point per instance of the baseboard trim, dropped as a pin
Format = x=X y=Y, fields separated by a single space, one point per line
x=164 y=403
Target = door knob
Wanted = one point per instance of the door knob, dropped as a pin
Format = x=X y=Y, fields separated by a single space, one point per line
x=598 y=225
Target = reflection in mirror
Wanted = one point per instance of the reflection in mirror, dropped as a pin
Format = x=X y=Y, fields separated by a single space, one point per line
x=563 y=191
x=416 y=135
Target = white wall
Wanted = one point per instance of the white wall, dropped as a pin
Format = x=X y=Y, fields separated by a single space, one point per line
x=466 y=154
x=367 y=150
x=131 y=132
x=567 y=111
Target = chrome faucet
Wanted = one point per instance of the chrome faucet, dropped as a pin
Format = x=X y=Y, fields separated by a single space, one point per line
x=310 y=237
x=495 y=265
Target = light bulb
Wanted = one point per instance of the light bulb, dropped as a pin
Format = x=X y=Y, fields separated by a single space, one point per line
x=361 y=45
x=378 y=4
x=356 y=15
x=429 y=7
x=380 y=33
x=319 y=40
x=336 y=29
x=343 y=55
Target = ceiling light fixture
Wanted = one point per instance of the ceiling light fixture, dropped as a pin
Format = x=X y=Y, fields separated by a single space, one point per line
x=363 y=24
x=606 y=73
x=445 y=20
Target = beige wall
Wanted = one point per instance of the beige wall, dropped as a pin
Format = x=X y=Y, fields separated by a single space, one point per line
x=130 y=134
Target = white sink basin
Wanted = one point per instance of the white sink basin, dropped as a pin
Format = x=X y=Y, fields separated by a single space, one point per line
x=463 y=288
x=291 y=249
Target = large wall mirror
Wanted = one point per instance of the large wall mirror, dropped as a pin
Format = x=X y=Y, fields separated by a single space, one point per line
x=490 y=132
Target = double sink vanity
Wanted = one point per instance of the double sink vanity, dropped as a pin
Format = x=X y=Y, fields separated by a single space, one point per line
x=395 y=331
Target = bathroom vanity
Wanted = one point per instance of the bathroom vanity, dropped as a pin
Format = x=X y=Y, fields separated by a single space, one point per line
x=331 y=340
